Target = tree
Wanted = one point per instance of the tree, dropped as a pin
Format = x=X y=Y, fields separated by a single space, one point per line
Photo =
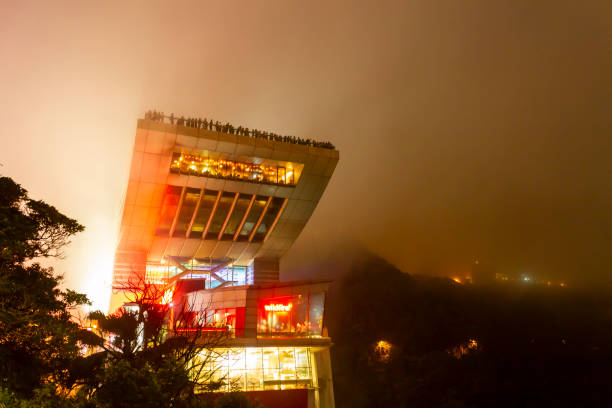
x=146 y=360
x=38 y=338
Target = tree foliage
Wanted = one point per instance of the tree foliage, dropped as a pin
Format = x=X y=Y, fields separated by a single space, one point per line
x=37 y=335
x=143 y=360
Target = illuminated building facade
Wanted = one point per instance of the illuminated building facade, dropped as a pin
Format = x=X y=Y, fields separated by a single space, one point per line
x=209 y=214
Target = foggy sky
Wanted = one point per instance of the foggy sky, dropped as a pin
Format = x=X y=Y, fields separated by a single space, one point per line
x=466 y=129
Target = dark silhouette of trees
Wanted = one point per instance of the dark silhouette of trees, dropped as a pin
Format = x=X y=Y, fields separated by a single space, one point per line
x=452 y=345
x=37 y=335
x=145 y=358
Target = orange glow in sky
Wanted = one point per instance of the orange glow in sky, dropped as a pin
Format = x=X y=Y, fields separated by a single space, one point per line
x=461 y=133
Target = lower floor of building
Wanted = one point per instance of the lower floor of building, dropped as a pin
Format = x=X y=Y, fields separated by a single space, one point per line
x=301 y=375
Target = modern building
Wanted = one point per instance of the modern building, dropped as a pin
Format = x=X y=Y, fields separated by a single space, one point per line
x=208 y=214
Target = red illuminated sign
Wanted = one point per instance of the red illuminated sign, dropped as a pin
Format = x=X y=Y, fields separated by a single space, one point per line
x=277 y=307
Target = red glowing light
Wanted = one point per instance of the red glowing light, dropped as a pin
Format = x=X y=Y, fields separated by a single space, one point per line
x=277 y=307
x=167 y=297
x=207 y=329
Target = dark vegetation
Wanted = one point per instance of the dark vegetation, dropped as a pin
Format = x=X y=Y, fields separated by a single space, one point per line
x=531 y=346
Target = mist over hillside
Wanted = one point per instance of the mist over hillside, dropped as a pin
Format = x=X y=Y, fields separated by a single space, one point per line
x=506 y=344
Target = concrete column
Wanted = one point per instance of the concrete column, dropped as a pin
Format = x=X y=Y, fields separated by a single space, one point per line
x=324 y=378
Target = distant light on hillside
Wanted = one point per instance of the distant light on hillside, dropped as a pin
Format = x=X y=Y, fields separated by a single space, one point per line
x=382 y=351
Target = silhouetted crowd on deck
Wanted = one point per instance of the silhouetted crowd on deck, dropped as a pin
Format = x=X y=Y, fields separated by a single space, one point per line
x=198 y=123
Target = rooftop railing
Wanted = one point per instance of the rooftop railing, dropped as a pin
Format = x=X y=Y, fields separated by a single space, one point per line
x=210 y=124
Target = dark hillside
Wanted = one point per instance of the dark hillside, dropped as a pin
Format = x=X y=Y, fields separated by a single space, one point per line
x=455 y=345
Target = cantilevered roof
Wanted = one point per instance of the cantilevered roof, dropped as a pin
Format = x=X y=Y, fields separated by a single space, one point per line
x=252 y=204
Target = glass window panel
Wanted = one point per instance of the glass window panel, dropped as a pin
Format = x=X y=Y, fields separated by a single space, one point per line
x=271 y=384
x=253 y=358
x=237 y=380
x=286 y=357
x=301 y=357
x=206 y=206
x=225 y=202
x=270 y=172
x=156 y=273
x=315 y=314
x=254 y=379
x=239 y=277
x=276 y=316
x=288 y=384
x=254 y=214
x=210 y=318
x=281 y=175
x=286 y=316
x=303 y=373
x=225 y=273
x=299 y=318
x=190 y=201
x=259 y=368
x=237 y=214
x=237 y=358
x=218 y=362
x=230 y=322
x=268 y=219
x=169 y=206
x=270 y=362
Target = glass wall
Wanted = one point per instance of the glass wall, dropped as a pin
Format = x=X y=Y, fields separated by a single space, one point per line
x=242 y=204
x=190 y=200
x=221 y=203
x=291 y=316
x=218 y=218
x=286 y=174
x=268 y=218
x=234 y=274
x=158 y=273
x=230 y=320
x=253 y=217
x=259 y=368
x=168 y=211
x=201 y=219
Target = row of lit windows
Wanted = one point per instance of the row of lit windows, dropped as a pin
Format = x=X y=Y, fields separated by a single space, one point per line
x=229 y=319
x=259 y=368
x=291 y=316
x=157 y=273
x=213 y=212
x=235 y=170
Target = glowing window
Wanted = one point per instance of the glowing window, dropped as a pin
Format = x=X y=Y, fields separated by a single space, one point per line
x=237 y=215
x=220 y=215
x=201 y=219
x=252 y=217
x=259 y=368
x=190 y=200
x=268 y=218
x=265 y=171
x=291 y=316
